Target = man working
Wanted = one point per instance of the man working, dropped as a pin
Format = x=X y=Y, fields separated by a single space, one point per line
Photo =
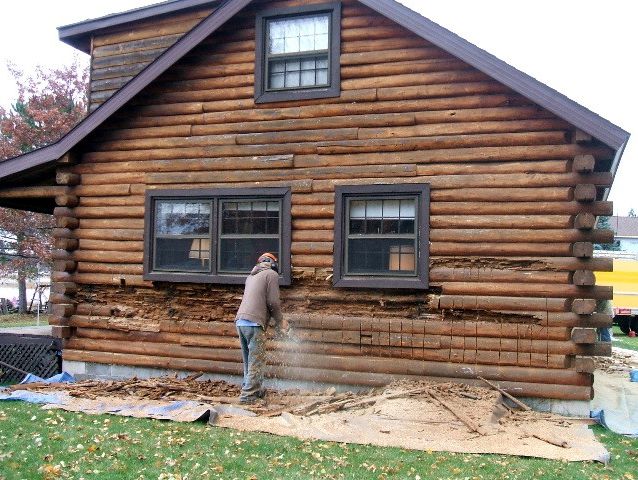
x=259 y=303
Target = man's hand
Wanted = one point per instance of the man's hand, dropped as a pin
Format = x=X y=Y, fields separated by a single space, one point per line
x=284 y=326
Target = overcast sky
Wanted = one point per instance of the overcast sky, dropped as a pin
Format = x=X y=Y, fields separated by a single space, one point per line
x=582 y=48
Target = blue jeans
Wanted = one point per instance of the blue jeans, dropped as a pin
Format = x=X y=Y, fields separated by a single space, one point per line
x=253 y=352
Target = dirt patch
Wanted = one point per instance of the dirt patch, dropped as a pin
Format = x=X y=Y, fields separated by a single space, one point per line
x=621 y=361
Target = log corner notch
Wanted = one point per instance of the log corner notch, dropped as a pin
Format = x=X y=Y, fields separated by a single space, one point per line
x=63 y=289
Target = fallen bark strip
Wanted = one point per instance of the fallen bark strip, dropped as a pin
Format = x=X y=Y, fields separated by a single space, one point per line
x=461 y=416
x=505 y=394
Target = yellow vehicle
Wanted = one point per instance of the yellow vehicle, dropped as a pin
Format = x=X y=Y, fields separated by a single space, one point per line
x=624 y=279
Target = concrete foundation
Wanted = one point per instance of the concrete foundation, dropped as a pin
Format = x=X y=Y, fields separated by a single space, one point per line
x=86 y=370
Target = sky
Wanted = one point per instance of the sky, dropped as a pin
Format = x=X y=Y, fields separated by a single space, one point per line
x=582 y=48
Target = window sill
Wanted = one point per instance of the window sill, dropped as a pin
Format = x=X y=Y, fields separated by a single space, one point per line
x=302 y=94
x=174 y=277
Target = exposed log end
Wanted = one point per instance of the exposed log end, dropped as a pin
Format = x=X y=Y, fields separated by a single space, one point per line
x=585 y=193
x=583 y=306
x=584 y=163
x=61 y=331
x=583 y=249
x=584 y=221
x=584 y=335
x=66 y=178
x=583 y=364
x=584 y=278
x=63 y=310
x=68 y=244
x=67 y=200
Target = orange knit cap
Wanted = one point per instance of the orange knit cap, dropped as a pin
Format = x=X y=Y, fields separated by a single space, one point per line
x=267 y=255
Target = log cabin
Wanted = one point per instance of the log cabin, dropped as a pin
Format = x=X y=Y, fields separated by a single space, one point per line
x=433 y=208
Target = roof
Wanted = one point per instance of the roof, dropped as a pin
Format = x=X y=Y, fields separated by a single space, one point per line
x=78 y=34
x=624 y=226
x=574 y=113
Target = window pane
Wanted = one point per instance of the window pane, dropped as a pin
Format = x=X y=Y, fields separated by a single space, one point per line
x=308 y=78
x=298 y=34
x=322 y=77
x=374 y=209
x=182 y=217
x=249 y=218
x=276 y=80
x=240 y=254
x=308 y=64
x=391 y=208
x=357 y=209
x=408 y=208
x=277 y=67
x=389 y=256
x=292 y=79
x=182 y=254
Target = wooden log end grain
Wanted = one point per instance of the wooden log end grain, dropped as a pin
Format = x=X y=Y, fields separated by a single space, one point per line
x=584 y=164
x=583 y=249
x=583 y=306
x=584 y=221
x=584 y=278
x=59 y=331
x=584 y=336
x=585 y=193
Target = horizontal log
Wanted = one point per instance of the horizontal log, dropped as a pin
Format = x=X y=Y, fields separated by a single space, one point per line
x=102 y=190
x=64 y=310
x=111 y=245
x=526 y=290
x=118 y=269
x=117 y=279
x=445 y=274
x=59 y=331
x=109 y=212
x=474 y=302
x=510 y=208
x=479 y=181
x=107 y=256
x=119 y=234
x=58 y=298
x=500 y=233
x=64 y=266
x=32 y=192
x=64 y=288
x=525 y=263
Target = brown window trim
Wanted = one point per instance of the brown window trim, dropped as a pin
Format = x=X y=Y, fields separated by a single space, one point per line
x=420 y=281
x=283 y=194
x=333 y=90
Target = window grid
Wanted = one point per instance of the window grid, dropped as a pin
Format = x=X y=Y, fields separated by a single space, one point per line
x=285 y=69
x=399 y=255
x=190 y=253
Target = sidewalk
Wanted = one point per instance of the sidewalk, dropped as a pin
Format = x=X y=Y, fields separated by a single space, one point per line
x=44 y=330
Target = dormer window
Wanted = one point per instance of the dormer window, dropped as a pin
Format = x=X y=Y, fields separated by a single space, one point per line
x=298 y=53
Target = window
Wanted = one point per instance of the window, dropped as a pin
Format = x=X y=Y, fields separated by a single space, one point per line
x=215 y=236
x=297 y=53
x=381 y=236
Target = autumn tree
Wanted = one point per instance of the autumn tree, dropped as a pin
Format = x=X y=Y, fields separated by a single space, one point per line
x=49 y=103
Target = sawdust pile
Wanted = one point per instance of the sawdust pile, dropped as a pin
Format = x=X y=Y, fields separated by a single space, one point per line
x=621 y=361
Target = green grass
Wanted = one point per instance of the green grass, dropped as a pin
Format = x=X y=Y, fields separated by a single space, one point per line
x=623 y=341
x=52 y=444
x=26 y=320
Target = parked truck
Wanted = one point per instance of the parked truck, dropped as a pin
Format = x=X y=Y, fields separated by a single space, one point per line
x=624 y=279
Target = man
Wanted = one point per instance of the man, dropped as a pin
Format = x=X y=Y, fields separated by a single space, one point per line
x=259 y=303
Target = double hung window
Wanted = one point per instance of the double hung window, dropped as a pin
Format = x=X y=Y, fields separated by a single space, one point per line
x=215 y=236
x=381 y=236
x=297 y=53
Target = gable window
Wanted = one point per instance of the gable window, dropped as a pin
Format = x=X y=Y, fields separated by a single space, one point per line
x=381 y=236
x=298 y=53
x=215 y=236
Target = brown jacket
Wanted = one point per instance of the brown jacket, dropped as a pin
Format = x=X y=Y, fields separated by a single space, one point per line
x=261 y=297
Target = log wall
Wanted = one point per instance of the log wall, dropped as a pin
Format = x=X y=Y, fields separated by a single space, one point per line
x=514 y=196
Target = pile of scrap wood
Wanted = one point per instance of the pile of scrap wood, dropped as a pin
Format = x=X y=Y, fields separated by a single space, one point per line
x=159 y=388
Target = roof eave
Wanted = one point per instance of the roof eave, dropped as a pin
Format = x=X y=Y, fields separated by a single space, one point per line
x=78 y=35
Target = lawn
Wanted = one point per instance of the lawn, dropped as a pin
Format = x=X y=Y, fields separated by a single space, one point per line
x=25 y=320
x=53 y=444
x=623 y=341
